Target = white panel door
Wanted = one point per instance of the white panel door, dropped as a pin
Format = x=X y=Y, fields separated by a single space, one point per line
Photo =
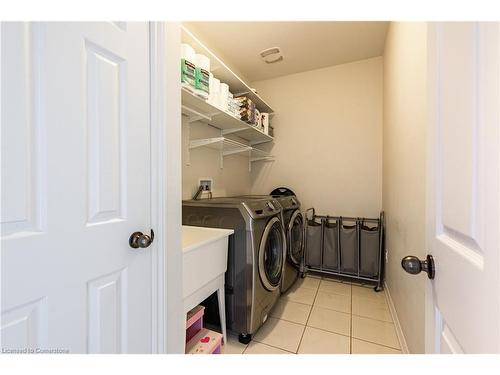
x=75 y=185
x=462 y=311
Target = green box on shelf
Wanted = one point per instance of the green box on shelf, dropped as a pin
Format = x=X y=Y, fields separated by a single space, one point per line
x=188 y=72
x=202 y=80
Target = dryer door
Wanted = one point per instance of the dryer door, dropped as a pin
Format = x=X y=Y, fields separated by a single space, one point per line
x=296 y=238
x=272 y=254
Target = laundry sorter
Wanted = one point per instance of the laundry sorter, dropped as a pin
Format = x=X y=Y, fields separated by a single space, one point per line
x=350 y=247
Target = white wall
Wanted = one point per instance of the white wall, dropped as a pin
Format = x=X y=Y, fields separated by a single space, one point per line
x=328 y=128
x=233 y=179
x=404 y=171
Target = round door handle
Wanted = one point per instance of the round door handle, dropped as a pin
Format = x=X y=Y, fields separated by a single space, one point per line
x=413 y=265
x=139 y=240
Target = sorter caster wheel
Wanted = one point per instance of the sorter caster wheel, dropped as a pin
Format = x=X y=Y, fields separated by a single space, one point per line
x=244 y=339
x=303 y=275
x=377 y=289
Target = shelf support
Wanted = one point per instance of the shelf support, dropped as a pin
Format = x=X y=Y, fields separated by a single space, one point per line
x=266 y=158
x=261 y=158
x=196 y=116
x=231 y=131
x=204 y=142
x=255 y=143
x=237 y=151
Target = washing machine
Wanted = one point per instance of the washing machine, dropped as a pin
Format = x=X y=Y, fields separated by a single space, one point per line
x=256 y=255
x=293 y=223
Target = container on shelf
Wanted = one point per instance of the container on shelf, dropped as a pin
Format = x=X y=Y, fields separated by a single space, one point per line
x=202 y=75
x=187 y=52
x=257 y=123
x=247 y=109
x=224 y=96
x=264 y=118
x=202 y=61
x=188 y=66
x=214 y=91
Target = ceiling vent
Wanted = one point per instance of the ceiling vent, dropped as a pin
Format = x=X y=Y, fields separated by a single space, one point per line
x=271 y=55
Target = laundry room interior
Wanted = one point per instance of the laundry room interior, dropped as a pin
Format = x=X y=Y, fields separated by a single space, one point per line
x=327 y=119
x=242 y=187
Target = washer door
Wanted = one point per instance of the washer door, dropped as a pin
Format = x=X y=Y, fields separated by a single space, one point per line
x=296 y=238
x=272 y=254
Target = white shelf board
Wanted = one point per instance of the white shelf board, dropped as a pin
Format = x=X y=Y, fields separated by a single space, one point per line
x=223 y=72
x=199 y=109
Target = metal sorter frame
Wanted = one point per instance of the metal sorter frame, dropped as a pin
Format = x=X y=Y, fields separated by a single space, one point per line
x=377 y=279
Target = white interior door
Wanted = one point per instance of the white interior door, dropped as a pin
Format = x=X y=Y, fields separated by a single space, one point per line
x=75 y=185
x=462 y=311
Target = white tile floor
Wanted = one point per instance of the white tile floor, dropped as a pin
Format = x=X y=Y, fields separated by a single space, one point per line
x=321 y=315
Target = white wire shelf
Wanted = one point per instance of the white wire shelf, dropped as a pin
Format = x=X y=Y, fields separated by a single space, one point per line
x=197 y=109
x=225 y=145
x=228 y=147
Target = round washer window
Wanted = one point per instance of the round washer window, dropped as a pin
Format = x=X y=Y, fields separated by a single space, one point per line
x=296 y=239
x=271 y=255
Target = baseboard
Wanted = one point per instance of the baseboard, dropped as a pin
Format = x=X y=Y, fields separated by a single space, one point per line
x=399 y=331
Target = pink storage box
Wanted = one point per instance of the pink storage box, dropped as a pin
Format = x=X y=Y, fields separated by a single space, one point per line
x=200 y=340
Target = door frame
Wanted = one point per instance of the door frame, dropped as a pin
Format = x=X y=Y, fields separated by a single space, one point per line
x=429 y=319
x=166 y=195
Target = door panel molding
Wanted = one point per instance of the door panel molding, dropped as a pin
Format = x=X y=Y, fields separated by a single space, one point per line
x=106 y=88
x=25 y=325
x=23 y=147
x=107 y=313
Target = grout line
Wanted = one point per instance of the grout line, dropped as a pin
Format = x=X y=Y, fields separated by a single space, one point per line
x=289 y=300
x=350 y=327
x=272 y=346
x=291 y=321
x=368 y=317
x=327 y=331
x=379 y=344
x=308 y=316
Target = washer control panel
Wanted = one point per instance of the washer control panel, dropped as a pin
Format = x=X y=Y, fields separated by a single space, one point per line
x=262 y=208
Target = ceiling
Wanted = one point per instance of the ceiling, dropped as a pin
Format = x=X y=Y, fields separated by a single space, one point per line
x=304 y=45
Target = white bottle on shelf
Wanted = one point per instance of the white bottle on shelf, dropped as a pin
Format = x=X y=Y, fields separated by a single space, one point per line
x=213 y=95
x=224 y=96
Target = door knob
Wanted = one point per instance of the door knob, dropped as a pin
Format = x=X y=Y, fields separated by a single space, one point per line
x=140 y=240
x=413 y=265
